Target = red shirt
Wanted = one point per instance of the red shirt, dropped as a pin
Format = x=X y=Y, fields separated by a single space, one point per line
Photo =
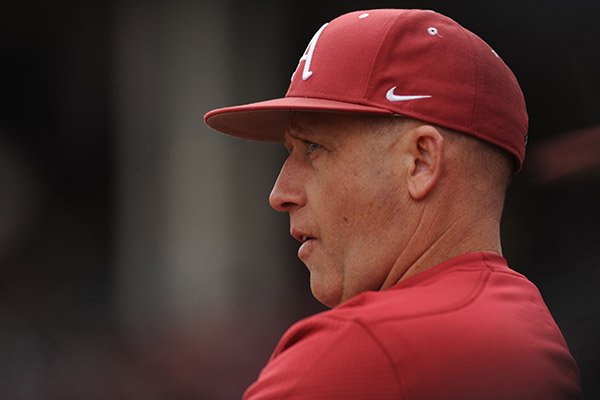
x=469 y=328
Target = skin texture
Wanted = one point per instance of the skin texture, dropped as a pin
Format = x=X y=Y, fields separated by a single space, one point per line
x=383 y=198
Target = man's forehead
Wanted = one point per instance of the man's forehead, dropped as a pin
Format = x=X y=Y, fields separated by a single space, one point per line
x=344 y=124
x=306 y=121
x=312 y=123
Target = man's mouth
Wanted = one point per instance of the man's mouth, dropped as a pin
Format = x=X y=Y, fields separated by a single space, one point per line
x=308 y=243
x=301 y=236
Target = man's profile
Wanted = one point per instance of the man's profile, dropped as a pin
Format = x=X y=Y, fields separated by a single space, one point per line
x=403 y=131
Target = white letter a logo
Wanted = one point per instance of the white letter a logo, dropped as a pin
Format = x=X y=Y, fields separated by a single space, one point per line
x=307 y=56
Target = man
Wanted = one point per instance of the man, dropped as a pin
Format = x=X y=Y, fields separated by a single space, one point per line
x=403 y=131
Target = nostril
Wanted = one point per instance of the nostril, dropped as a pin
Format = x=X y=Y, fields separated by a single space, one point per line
x=282 y=199
x=279 y=203
x=287 y=205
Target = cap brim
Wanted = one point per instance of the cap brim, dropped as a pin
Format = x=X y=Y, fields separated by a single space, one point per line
x=267 y=120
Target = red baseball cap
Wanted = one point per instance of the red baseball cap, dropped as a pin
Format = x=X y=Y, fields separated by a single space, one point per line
x=412 y=63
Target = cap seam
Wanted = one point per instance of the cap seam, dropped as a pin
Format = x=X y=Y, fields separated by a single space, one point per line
x=390 y=23
x=475 y=62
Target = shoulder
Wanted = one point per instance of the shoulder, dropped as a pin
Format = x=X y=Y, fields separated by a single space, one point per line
x=327 y=355
x=448 y=323
x=352 y=350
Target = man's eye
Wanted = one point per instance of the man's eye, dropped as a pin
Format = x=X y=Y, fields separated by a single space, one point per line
x=312 y=147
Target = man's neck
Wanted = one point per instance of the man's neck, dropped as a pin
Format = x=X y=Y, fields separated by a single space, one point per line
x=462 y=236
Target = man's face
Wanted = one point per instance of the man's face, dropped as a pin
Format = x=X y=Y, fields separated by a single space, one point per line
x=343 y=188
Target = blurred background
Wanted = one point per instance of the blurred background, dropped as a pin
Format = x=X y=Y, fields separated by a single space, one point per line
x=139 y=257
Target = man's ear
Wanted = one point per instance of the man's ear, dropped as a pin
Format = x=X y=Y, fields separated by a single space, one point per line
x=426 y=148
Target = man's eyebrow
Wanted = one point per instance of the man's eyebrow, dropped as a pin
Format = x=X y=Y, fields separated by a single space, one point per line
x=286 y=139
x=294 y=129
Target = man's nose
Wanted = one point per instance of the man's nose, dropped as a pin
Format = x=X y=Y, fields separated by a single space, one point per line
x=288 y=191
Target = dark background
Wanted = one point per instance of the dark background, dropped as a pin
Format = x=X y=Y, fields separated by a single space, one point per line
x=61 y=334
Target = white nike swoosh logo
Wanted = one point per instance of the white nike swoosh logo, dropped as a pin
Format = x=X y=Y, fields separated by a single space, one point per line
x=395 y=97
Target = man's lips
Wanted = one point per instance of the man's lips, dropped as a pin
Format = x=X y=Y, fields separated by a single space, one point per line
x=300 y=235
x=308 y=241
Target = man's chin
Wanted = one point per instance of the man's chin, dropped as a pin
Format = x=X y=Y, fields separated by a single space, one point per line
x=328 y=295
